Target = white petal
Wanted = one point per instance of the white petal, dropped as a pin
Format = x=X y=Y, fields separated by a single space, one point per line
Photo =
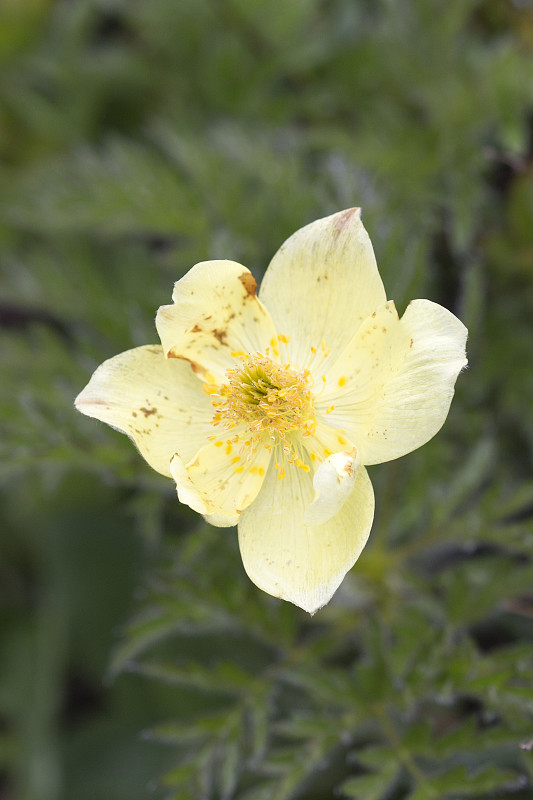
x=321 y=284
x=333 y=483
x=218 y=482
x=393 y=385
x=215 y=313
x=158 y=403
x=294 y=561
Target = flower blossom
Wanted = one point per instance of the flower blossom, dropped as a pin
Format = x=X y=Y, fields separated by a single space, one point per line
x=265 y=409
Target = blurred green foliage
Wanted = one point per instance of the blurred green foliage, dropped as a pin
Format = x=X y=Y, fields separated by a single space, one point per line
x=137 y=138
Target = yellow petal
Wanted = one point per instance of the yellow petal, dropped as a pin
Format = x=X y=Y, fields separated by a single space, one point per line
x=215 y=314
x=158 y=403
x=321 y=284
x=291 y=560
x=392 y=387
x=325 y=441
x=218 y=481
x=333 y=483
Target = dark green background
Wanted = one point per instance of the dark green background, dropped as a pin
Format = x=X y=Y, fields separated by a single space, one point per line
x=137 y=138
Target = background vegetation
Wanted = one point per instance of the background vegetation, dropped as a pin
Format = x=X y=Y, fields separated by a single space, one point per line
x=137 y=138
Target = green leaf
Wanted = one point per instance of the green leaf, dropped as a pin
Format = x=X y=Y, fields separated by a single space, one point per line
x=374 y=786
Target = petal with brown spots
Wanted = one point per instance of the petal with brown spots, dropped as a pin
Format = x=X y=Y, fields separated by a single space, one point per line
x=321 y=284
x=215 y=314
x=157 y=402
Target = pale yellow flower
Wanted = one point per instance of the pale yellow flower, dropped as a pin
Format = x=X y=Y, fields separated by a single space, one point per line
x=266 y=409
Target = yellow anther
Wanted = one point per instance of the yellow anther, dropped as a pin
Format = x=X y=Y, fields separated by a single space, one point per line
x=256 y=470
x=274 y=347
x=342 y=380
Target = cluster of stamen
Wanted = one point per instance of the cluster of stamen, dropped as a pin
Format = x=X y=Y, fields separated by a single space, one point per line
x=265 y=401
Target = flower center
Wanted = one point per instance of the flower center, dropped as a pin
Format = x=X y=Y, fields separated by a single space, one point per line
x=272 y=400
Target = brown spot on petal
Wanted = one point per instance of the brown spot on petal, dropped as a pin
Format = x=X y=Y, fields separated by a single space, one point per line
x=196 y=368
x=220 y=335
x=148 y=411
x=196 y=329
x=344 y=218
x=249 y=283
